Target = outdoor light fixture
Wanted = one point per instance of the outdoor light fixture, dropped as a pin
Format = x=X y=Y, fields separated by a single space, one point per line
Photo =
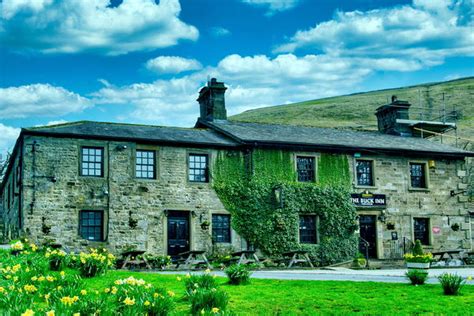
x=454 y=193
x=121 y=147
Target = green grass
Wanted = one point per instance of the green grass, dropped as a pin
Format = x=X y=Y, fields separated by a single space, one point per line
x=357 y=110
x=278 y=297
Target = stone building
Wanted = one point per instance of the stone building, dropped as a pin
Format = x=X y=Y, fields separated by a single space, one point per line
x=122 y=185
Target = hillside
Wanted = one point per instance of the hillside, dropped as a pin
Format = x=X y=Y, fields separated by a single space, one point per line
x=356 y=111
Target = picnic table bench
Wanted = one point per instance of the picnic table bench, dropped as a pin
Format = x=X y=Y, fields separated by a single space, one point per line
x=297 y=256
x=440 y=255
x=246 y=256
x=136 y=258
x=193 y=258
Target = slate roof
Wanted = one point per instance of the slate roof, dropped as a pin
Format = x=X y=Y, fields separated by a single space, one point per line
x=257 y=133
x=145 y=133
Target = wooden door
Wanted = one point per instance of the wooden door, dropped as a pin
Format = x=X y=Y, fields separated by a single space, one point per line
x=368 y=232
x=178 y=233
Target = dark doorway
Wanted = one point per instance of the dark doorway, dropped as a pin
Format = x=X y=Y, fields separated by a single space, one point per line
x=178 y=232
x=368 y=233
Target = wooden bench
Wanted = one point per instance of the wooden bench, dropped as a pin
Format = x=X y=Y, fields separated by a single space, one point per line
x=192 y=259
x=297 y=256
x=134 y=258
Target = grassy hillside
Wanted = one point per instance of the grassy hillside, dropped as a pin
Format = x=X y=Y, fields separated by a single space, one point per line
x=357 y=110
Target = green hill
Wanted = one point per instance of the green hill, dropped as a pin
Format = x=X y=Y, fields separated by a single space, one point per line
x=356 y=111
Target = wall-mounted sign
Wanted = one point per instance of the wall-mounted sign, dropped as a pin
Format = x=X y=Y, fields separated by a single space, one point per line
x=436 y=230
x=368 y=199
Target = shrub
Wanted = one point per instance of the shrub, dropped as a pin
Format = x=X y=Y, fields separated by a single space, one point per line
x=416 y=276
x=95 y=263
x=208 y=300
x=238 y=274
x=158 y=262
x=57 y=259
x=451 y=283
x=418 y=255
x=194 y=282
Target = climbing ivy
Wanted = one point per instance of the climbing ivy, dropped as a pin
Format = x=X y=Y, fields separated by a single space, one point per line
x=246 y=183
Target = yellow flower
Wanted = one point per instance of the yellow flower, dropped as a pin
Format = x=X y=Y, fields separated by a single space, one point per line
x=207 y=271
x=76 y=314
x=2 y=289
x=50 y=278
x=34 y=278
x=46 y=296
x=50 y=313
x=155 y=295
x=41 y=278
x=83 y=292
x=62 y=273
x=129 y=301
x=107 y=290
x=147 y=303
x=27 y=270
x=178 y=278
x=28 y=312
x=114 y=290
x=30 y=288
x=171 y=293
x=469 y=278
x=15 y=279
x=215 y=310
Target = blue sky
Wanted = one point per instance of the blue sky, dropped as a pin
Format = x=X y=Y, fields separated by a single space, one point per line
x=141 y=61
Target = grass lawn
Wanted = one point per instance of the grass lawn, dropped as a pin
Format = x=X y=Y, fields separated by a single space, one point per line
x=270 y=297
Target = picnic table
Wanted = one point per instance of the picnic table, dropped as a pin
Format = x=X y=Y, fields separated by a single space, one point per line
x=297 y=256
x=246 y=256
x=440 y=255
x=193 y=258
x=134 y=257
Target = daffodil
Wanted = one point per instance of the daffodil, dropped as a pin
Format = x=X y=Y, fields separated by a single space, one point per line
x=83 y=292
x=129 y=301
x=215 y=310
x=50 y=313
x=147 y=303
x=28 y=312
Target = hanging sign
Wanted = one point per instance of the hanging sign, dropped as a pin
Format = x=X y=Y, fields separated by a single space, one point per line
x=368 y=199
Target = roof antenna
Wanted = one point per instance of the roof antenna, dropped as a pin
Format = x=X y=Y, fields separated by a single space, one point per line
x=208 y=80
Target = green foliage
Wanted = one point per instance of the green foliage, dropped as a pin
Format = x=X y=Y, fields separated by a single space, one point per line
x=333 y=169
x=418 y=249
x=195 y=282
x=451 y=283
x=158 y=261
x=416 y=276
x=273 y=226
x=238 y=274
x=208 y=301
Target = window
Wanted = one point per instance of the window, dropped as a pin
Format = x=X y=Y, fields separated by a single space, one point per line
x=417 y=175
x=92 y=161
x=364 y=170
x=91 y=225
x=198 y=168
x=308 y=232
x=305 y=169
x=145 y=164
x=221 y=228
x=421 y=230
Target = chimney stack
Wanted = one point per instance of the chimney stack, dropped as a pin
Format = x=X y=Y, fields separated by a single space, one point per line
x=388 y=114
x=212 y=101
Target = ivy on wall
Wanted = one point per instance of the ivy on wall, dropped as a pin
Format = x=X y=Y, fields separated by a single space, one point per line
x=246 y=185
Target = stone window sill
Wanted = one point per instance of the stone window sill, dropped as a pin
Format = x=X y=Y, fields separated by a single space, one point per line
x=419 y=189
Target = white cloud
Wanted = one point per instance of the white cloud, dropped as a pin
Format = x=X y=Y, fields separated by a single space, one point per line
x=253 y=81
x=219 y=31
x=421 y=34
x=274 y=6
x=39 y=99
x=172 y=64
x=57 y=26
x=8 y=136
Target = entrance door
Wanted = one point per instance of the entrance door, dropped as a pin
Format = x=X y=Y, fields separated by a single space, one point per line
x=178 y=233
x=368 y=233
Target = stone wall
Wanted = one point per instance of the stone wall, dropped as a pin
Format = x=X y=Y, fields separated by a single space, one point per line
x=10 y=204
x=392 y=178
x=135 y=208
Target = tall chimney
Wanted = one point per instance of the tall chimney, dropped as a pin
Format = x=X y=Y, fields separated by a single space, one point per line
x=212 y=101
x=388 y=114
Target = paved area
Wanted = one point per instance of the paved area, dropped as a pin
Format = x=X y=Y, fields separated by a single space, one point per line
x=344 y=274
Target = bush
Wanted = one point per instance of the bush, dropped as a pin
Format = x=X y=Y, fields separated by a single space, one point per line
x=57 y=259
x=208 y=300
x=158 y=261
x=418 y=249
x=195 y=282
x=95 y=263
x=238 y=274
x=451 y=283
x=416 y=276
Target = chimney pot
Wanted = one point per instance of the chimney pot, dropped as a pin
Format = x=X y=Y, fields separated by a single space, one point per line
x=394 y=98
